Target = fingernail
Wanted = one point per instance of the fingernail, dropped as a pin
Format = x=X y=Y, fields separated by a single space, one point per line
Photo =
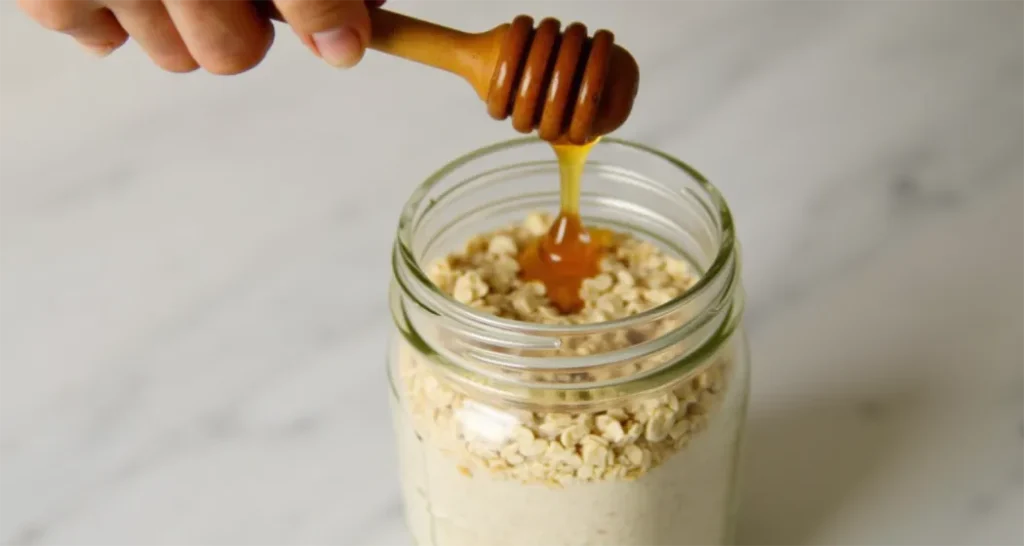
x=341 y=47
x=99 y=51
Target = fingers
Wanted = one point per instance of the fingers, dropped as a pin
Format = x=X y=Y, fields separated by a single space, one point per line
x=149 y=24
x=223 y=36
x=92 y=25
x=336 y=30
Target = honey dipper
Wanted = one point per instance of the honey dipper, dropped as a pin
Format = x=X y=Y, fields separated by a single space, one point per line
x=563 y=84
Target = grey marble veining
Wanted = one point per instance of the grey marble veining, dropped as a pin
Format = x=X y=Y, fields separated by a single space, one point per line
x=194 y=270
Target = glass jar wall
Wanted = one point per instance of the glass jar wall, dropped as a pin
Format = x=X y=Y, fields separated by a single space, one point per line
x=618 y=426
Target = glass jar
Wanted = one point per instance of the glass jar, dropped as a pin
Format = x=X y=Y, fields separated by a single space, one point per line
x=510 y=433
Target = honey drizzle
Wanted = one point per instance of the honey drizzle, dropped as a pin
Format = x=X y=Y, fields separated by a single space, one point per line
x=568 y=253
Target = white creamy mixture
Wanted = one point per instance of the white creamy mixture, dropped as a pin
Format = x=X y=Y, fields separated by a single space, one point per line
x=686 y=500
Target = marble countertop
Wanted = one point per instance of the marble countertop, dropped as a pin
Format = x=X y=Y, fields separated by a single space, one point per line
x=194 y=270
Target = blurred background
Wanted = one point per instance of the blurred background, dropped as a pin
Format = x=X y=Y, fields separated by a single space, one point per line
x=194 y=269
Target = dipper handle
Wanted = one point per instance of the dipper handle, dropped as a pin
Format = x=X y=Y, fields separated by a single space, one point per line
x=566 y=85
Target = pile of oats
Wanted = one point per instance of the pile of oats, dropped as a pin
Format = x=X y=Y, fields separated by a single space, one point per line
x=560 y=448
x=635 y=277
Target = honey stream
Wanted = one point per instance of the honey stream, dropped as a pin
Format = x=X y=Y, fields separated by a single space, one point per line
x=569 y=252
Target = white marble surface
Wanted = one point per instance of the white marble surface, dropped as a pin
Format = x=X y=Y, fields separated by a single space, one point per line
x=194 y=270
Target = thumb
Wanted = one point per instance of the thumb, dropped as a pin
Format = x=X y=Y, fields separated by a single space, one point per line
x=336 y=30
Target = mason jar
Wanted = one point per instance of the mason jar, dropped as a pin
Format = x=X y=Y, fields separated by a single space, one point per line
x=527 y=434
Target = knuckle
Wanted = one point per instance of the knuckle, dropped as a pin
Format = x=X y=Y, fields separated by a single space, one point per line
x=227 y=66
x=233 y=54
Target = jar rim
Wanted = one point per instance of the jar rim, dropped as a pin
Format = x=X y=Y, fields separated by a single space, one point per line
x=721 y=262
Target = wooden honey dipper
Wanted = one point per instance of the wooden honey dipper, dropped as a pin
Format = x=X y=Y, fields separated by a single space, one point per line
x=568 y=87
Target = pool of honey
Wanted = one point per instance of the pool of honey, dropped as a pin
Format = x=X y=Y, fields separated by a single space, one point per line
x=569 y=252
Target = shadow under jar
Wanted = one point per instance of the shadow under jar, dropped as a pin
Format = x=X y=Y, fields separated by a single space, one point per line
x=621 y=432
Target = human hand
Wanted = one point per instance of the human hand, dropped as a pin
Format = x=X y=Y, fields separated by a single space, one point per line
x=222 y=36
